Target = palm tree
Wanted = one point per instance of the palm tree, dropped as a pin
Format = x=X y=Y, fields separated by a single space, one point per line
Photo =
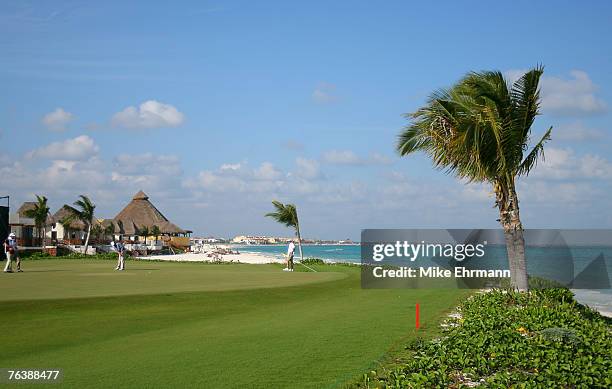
x=287 y=215
x=39 y=213
x=109 y=230
x=155 y=231
x=97 y=231
x=85 y=214
x=480 y=130
x=144 y=231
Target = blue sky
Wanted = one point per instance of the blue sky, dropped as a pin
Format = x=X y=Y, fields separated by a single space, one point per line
x=216 y=108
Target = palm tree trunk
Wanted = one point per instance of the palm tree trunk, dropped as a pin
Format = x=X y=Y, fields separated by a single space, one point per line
x=87 y=239
x=510 y=220
x=297 y=229
x=44 y=235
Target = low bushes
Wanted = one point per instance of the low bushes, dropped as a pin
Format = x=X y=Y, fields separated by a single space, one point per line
x=543 y=338
x=41 y=255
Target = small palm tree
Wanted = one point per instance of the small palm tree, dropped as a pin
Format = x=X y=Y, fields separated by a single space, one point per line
x=97 y=231
x=144 y=231
x=480 y=130
x=39 y=213
x=287 y=215
x=155 y=231
x=109 y=230
x=84 y=213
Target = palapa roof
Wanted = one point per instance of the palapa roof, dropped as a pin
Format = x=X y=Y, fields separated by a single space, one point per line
x=26 y=207
x=140 y=212
x=62 y=214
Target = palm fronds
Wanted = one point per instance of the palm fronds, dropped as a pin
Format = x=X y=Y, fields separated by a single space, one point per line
x=285 y=214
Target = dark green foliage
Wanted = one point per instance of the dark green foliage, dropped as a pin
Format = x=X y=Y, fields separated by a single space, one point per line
x=313 y=261
x=285 y=214
x=480 y=128
x=541 y=339
x=41 y=255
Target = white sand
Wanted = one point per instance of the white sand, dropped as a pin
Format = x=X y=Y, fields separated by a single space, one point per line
x=193 y=257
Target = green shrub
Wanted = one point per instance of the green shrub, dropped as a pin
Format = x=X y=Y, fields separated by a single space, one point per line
x=34 y=255
x=103 y=256
x=313 y=261
x=543 y=338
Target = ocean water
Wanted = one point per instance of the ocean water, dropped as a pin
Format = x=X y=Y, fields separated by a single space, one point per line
x=332 y=253
x=600 y=299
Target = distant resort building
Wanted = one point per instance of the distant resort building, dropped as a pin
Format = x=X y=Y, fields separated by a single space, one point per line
x=140 y=221
x=23 y=227
x=73 y=233
x=251 y=239
x=139 y=213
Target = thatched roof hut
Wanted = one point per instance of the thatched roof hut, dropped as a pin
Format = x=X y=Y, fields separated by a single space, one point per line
x=62 y=214
x=139 y=213
x=26 y=206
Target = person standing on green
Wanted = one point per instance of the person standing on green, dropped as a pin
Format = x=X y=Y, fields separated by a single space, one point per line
x=10 y=248
x=290 y=253
x=120 y=247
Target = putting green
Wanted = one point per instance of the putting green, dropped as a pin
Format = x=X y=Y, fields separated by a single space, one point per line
x=172 y=325
x=49 y=279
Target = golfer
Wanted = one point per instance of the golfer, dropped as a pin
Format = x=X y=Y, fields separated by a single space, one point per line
x=10 y=249
x=120 y=248
x=290 y=252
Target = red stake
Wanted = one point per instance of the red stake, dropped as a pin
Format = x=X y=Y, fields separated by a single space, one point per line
x=417 y=316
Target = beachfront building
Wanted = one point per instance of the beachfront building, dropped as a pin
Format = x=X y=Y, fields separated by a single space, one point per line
x=207 y=240
x=141 y=215
x=23 y=227
x=72 y=233
x=251 y=239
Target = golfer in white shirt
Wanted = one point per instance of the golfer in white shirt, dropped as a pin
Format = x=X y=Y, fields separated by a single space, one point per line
x=10 y=249
x=290 y=251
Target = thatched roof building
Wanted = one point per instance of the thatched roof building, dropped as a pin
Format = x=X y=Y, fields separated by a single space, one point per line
x=26 y=206
x=139 y=213
x=62 y=214
x=20 y=217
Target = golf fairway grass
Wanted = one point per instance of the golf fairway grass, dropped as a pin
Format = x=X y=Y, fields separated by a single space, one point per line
x=205 y=325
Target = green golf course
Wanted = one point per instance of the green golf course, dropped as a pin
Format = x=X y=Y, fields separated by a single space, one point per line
x=205 y=325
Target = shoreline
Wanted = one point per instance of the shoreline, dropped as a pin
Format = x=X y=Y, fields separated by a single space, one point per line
x=249 y=258
x=594 y=299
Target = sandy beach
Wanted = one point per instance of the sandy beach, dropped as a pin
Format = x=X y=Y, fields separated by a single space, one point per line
x=251 y=258
x=596 y=299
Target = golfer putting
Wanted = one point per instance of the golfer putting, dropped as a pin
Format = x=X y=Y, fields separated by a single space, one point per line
x=289 y=257
x=120 y=249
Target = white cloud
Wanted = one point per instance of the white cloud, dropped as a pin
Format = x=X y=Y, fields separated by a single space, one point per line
x=150 y=114
x=571 y=96
x=231 y=166
x=80 y=148
x=147 y=171
x=307 y=168
x=564 y=164
x=577 y=131
x=341 y=157
x=563 y=96
x=347 y=157
x=238 y=177
x=324 y=93
x=57 y=120
x=267 y=171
